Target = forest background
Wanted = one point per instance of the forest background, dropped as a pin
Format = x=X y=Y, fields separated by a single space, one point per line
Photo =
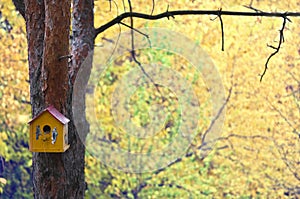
x=258 y=154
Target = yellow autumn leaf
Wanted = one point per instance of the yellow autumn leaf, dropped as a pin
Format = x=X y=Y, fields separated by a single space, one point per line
x=3 y=181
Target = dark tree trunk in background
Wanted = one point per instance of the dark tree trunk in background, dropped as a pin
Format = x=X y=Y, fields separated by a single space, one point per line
x=57 y=175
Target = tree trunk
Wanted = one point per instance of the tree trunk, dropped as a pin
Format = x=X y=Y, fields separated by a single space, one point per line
x=57 y=175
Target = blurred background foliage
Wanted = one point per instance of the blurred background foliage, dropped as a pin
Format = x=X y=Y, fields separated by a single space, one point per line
x=15 y=159
x=258 y=155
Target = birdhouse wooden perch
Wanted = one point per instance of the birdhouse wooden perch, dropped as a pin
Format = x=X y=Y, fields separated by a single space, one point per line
x=49 y=132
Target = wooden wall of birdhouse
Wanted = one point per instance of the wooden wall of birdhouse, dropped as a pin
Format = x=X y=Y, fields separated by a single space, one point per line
x=49 y=132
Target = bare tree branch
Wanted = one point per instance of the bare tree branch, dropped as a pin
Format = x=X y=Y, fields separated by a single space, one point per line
x=284 y=158
x=167 y=14
x=218 y=13
x=281 y=40
x=189 y=154
x=295 y=131
x=218 y=115
x=133 y=49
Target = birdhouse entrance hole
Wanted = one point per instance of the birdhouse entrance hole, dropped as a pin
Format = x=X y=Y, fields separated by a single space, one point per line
x=46 y=129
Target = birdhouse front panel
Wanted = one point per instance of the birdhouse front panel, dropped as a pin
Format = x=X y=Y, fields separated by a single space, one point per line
x=49 y=132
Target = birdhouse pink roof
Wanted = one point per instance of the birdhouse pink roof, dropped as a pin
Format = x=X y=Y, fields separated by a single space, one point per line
x=55 y=113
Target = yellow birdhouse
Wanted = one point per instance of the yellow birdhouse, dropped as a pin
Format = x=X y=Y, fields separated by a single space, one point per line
x=49 y=132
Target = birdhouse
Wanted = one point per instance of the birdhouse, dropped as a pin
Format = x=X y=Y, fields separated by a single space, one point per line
x=49 y=132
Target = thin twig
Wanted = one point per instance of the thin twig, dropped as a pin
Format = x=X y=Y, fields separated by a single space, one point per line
x=222 y=29
x=218 y=115
x=146 y=74
x=136 y=30
x=124 y=5
x=281 y=40
x=115 y=47
x=133 y=51
x=286 y=162
x=283 y=116
x=256 y=10
x=109 y=5
x=169 y=14
x=293 y=76
x=153 y=6
x=212 y=141
x=131 y=24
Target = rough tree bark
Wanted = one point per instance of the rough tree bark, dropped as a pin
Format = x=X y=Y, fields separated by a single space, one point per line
x=57 y=175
